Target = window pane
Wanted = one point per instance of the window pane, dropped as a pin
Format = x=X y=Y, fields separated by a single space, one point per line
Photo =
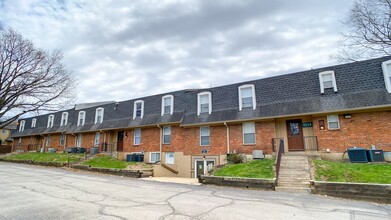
x=166 y=130
x=248 y=127
x=166 y=139
x=333 y=125
x=204 y=108
x=246 y=92
x=204 y=99
x=247 y=102
x=204 y=131
x=327 y=77
x=328 y=84
x=167 y=110
x=249 y=138
x=167 y=101
x=205 y=140
x=137 y=140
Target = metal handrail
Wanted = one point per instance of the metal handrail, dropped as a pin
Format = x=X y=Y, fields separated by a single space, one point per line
x=275 y=142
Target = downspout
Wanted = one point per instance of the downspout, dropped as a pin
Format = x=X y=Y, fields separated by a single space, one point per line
x=160 y=142
x=65 y=140
x=228 y=150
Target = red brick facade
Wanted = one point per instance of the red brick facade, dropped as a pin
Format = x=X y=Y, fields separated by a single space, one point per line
x=361 y=130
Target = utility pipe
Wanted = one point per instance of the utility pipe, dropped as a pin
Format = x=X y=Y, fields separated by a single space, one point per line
x=160 y=142
x=225 y=123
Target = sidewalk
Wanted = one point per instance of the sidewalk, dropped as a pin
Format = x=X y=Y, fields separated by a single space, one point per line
x=189 y=181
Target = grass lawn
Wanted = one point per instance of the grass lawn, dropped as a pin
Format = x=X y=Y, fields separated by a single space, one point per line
x=352 y=172
x=252 y=169
x=46 y=157
x=111 y=162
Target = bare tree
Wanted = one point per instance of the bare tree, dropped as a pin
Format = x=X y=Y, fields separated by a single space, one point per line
x=32 y=79
x=368 y=31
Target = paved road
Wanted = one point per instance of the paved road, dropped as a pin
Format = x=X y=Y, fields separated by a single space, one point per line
x=33 y=192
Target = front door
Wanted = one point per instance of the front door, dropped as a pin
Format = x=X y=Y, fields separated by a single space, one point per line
x=120 y=141
x=295 y=135
x=203 y=166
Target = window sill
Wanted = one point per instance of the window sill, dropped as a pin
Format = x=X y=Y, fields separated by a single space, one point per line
x=252 y=144
x=334 y=129
x=204 y=145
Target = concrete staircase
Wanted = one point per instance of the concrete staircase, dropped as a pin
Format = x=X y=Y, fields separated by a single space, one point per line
x=294 y=174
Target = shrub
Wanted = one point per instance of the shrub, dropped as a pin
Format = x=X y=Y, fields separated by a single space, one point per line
x=234 y=158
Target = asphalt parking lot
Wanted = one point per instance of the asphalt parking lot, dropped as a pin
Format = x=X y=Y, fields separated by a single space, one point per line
x=34 y=192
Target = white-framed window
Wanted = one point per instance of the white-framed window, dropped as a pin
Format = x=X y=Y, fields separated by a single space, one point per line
x=81 y=119
x=99 y=115
x=48 y=140
x=137 y=136
x=204 y=104
x=247 y=97
x=64 y=118
x=386 y=66
x=154 y=157
x=97 y=139
x=327 y=80
x=248 y=133
x=62 y=139
x=33 y=122
x=170 y=158
x=205 y=136
x=332 y=122
x=50 y=121
x=79 y=139
x=166 y=134
x=21 y=126
x=138 y=109
x=167 y=105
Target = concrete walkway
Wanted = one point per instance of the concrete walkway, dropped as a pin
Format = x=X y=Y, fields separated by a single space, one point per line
x=189 y=181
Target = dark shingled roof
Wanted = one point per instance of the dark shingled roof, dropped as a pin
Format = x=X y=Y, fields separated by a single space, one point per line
x=360 y=85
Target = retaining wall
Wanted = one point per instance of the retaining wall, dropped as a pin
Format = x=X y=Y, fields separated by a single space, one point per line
x=360 y=191
x=266 y=184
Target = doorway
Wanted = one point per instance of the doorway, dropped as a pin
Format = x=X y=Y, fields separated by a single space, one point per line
x=120 y=141
x=201 y=167
x=295 y=135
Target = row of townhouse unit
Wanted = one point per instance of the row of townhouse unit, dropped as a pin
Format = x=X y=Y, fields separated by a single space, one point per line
x=326 y=109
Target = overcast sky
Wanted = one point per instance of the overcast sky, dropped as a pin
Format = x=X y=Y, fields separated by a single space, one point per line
x=121 y=50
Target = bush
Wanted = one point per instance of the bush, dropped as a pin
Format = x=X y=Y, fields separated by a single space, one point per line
x=234 y=158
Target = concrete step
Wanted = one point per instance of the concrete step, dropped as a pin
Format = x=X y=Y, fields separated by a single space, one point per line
x=293 y=179
x=293 y=173
x=293 y=189
x=293 y=183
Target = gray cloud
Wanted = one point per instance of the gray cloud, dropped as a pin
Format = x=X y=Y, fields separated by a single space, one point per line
x=121 y=50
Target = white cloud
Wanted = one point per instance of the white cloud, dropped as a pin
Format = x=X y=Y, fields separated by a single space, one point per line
x=121 y=50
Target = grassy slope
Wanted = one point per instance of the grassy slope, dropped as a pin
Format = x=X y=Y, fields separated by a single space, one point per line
x=46 y=157
x=252 y=169
x=108 y=162
x=352 y=172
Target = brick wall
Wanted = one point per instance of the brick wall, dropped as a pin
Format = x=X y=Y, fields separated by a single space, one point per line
x=264 y=132
x=361 y=130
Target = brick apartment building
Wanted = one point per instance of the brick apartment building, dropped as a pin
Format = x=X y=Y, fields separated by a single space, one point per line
x=327 y=109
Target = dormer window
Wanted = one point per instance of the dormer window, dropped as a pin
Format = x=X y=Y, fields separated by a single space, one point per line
x=386 y=66
x=21 y=126
x=327 y=81
x=167 y=105
x=247 y=97
x=50 y=121
x=64 y=118
x=81 y=118
x=99 y=115
x=204 y=103
x=138 y=109
x=33 y=122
